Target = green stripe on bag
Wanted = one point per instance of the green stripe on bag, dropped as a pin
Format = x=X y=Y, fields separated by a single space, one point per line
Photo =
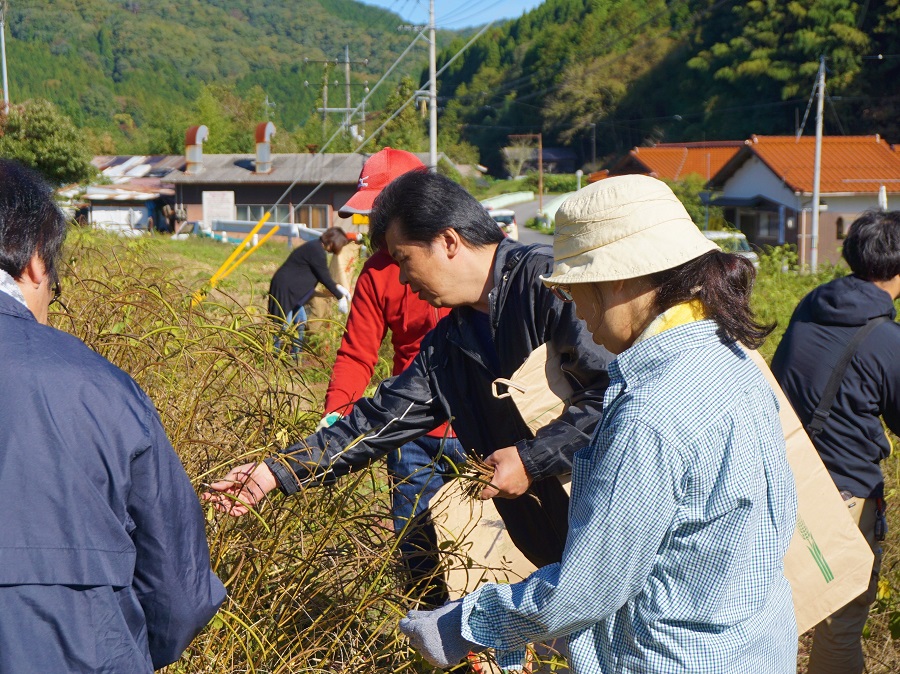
x=814 y=550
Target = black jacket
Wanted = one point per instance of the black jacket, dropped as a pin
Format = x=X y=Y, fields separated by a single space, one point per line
x=294 y=282
x=104 y=564
x=853 y=441
x=451 y=379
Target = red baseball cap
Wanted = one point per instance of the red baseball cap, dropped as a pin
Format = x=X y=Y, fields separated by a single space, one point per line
x=379 y=170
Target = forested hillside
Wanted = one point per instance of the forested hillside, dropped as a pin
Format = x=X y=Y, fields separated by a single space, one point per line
x=135 y=71
x=598 y=76
x=657 y=70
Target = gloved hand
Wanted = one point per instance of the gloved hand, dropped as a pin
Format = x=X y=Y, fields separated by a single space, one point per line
x=343 y=291
x=437 y=634
x=328 y=420
x=343 y=305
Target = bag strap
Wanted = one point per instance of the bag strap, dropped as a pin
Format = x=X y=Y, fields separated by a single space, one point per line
x=823 y=410
x=509 y=383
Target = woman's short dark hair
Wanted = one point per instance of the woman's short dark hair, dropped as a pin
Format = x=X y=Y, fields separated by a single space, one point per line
x=30 y=221
x=872 y=248
x=424 y=204
x=334 y=239
x=722 y=282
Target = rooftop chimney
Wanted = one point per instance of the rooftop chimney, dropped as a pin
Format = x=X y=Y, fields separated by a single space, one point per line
x=193 y=148
x=264 y=132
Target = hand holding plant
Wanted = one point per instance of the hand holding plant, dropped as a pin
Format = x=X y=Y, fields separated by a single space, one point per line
x=240 y=490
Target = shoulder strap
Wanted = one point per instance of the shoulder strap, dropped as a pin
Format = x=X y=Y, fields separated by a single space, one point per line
x=823 y=410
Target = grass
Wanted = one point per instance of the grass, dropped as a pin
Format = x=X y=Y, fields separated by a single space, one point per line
x=314 y=582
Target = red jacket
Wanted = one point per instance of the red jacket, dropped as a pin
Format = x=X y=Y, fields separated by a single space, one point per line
x=380 y=302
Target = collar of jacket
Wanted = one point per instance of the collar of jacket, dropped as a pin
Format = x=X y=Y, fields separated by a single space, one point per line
x=507 y=260
x=9 y=286
x=11 y=306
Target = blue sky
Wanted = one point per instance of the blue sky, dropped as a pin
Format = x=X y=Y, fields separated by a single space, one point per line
x=455 y=14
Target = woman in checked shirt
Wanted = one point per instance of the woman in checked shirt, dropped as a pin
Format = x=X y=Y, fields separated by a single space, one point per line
x=683 y=504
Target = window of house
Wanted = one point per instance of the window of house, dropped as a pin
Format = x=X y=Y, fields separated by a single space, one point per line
x=841 y=231
x=312 y=215
x=768 y=225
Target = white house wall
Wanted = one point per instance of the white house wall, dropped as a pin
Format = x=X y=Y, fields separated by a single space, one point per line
x=755 y=178
x=134 y=216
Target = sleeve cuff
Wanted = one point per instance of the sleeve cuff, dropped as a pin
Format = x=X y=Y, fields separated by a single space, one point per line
x=284 y=476
x=533 y=470
x=510 y=661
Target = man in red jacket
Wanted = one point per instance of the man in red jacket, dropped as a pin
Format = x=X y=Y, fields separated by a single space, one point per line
x=381 y=302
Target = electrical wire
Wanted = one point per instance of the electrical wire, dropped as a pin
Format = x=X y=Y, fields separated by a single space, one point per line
x=406 y=104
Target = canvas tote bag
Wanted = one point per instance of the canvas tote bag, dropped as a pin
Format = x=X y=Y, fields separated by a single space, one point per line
x=829 y=562
x=539 y=388
x=486 y=553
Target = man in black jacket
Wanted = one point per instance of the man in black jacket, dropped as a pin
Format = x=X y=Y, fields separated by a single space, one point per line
x=452 y=254
x=852 y=441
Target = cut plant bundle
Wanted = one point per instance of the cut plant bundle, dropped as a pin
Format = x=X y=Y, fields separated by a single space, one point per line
x=475 y=475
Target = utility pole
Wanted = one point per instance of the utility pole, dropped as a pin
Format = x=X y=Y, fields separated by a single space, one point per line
x=347 y=109
x=594 y=146
x=817 y=169
x=432 y=91
x=3 y=7
x=347 y=84
x=325 y=105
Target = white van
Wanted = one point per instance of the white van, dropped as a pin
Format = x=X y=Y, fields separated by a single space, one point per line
x=506 y=220
x=733 y=241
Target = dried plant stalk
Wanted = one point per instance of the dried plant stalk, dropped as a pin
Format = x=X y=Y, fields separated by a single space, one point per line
x=475 y=474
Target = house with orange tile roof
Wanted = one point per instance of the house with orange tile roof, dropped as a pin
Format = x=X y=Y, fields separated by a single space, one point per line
x=767 y=188
x=675 y=161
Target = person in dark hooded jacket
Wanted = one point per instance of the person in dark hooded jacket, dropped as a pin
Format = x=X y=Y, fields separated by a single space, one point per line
x=104 y=564
x=852 y=442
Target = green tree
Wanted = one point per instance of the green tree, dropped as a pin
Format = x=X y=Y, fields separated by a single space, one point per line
x=689 y=190
x=230 y=118
x=38 y=135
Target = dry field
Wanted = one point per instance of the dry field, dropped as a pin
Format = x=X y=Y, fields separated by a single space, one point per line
x=313 y=580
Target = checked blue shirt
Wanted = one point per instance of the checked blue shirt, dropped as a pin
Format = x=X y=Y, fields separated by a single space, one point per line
x=682 y=508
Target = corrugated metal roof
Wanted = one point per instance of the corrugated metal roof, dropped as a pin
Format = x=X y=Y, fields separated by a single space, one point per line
x=674 y=161
x=339 y=168
x=157 y=164
x=850 y=164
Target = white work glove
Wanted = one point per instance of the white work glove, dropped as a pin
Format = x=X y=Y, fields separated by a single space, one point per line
x=437 y=635
x=343 y=291
x=343 y=305
x=328 y=420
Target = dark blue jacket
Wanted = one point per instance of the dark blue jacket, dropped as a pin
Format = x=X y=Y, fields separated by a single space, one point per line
x=104 y=564
x=853 y=441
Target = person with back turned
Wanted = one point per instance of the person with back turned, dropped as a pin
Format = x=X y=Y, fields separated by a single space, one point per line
x=104 y=563
x=839 y=365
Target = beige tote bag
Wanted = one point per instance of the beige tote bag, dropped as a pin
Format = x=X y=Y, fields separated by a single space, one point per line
x=828 y=563
x=539 y=388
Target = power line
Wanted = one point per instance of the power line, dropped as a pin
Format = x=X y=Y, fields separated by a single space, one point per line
x=406 y=104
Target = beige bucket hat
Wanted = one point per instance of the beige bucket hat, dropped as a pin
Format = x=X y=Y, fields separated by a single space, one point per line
x=621 y=228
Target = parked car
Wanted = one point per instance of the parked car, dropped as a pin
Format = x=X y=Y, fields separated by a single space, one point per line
x=732 y=241
x=506 y=220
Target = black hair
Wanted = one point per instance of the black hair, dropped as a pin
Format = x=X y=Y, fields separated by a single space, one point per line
x=872 y=248
x=424 y=204
x=30 y=221
x=722 y=282
x=334 y=239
